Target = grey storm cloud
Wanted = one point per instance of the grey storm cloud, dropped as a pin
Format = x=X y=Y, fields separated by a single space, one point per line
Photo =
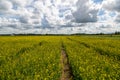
x=84 y=12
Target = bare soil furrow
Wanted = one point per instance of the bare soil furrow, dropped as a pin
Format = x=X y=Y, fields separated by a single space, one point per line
x=66 y=69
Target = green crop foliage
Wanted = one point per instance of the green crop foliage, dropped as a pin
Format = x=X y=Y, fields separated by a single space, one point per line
x=29 y=58
x=90 y=64
x=39 y=57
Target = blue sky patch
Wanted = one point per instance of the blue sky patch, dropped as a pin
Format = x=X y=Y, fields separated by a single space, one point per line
x=98 y=1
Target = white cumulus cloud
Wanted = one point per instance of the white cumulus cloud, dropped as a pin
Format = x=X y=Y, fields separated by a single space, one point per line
x=58 y=16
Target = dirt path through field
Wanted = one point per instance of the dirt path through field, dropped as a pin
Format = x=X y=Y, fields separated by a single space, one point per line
x=66 y=70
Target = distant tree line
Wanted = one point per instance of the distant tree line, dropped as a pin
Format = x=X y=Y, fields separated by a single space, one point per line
x=116 y=33
x=31 y=34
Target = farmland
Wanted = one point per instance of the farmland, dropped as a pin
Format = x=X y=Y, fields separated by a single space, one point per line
x=40 y=58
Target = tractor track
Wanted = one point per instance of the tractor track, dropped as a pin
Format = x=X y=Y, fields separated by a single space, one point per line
x=98 y=50
x=66 y=69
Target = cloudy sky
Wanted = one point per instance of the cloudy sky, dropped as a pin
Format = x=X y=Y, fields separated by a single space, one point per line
x=59 y=16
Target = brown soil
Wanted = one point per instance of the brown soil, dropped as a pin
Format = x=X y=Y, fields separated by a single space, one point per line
x=66 y=71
